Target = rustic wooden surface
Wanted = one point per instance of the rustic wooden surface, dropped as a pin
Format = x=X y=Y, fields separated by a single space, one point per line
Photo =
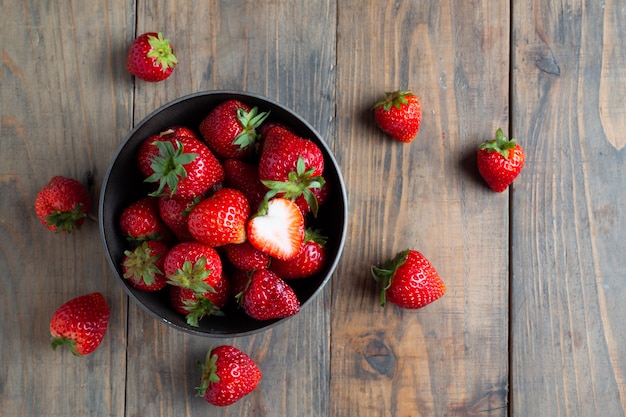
x=532 y=323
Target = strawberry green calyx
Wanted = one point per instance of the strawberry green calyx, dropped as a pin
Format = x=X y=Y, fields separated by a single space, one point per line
x=250 y=121
x=209 y=374
x=384 y=274
x=200 y=308
x=168 y=166
x=299 y=183
x=315 y=235
x=65 y=341
x=395 y=99
x=161 y=51
x=192 y=276
x=67 y=221
x=141 y=262
x=500 y=144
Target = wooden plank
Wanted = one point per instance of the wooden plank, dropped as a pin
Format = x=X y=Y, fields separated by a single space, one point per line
x=449 y=358
x=266 y=48
x=568 y=332
x=55 y=60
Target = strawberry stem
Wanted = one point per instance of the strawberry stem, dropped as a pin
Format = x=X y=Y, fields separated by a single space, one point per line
x=384 y=274
x=500 y=144
x=168 y=166
x=395 y=99
x=161 y=50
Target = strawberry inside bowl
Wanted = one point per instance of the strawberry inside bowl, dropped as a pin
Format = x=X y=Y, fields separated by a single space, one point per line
x=228 y=250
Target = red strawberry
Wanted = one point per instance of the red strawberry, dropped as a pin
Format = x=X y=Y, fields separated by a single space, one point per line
x=140 y=221
x=62 y=205
x=244 y=177
x=291 y=166
x=151 y=57
x=143 y=266
x=80 y=323
x=321 y=196
x=183 y=166
x=196 y=305
x=228 y=374
x=309 y=261
x=246 y=257
x=220 y=219
x=148 y=150
x=278 y=229
x=268 y=297
x=175 y=212
x=193 y=265
x=230 y=129
x=399 y=115
x=409 y=280
x=500 y=161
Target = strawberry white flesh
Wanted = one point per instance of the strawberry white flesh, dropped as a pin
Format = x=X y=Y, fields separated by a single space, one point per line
x=279 y=230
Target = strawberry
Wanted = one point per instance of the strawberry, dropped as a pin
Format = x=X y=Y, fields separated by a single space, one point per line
x=175 y=212
x=230 y=129
x=399 y=114
x=291 y=166
x=148 y=150
x=228 y=375
x=140 y=221
x=80 y=323
x=183 y=166
x=246 y=257
x=321 y=195
x=309 y=261
x=409 y=280
x=268 y=297
x=62 y=205
x=500 y=161
x=143 y=266
x=244 y=177
x=220 y=219
x=151 y=57
x=193 y=265
x=196 y=305
x=278 y=229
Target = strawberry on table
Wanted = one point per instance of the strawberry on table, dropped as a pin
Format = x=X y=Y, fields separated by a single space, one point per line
x=268 y=297
x=228 y=375
x=151 y=57
x=278 y=229
x=399 y=114
x=220 y=219
x=500 y=161
x=291 y=166
x=80 y=323
x=309 y=261
x=143 y=266
x=408 y=280
x=230 y=129
x=62 y=205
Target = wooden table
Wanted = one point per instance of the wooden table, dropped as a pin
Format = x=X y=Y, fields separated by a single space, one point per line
x=533 y=320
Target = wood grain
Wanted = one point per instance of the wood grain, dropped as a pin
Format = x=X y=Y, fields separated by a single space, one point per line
x=51 y=70
x=567 y=329
x=450 y=357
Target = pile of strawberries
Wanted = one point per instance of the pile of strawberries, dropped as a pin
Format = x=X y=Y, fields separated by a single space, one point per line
x=228 y=215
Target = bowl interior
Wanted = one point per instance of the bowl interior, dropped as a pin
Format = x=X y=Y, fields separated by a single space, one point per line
x=124 y=184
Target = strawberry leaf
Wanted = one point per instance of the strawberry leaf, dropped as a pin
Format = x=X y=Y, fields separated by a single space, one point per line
x=168 y=166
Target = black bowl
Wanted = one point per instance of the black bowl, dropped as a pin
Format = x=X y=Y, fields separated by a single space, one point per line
x=124 y=184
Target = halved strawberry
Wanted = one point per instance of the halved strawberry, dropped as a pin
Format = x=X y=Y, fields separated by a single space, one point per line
x=278 y=229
